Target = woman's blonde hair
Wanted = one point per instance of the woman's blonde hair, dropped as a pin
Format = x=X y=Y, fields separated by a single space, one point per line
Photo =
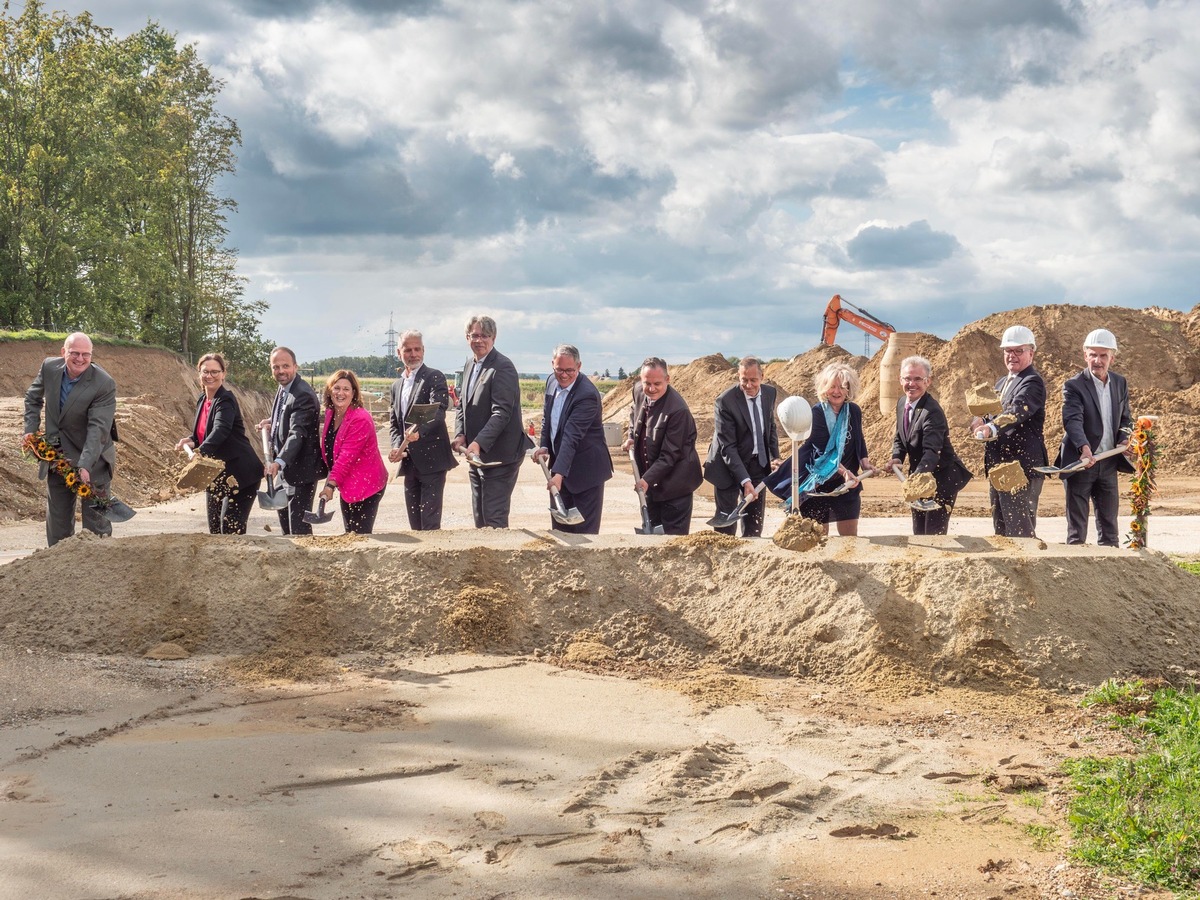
x=833 y=373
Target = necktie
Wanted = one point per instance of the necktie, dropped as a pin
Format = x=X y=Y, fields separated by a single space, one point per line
x=760 y=439
x=907 y=418
x=276 y=417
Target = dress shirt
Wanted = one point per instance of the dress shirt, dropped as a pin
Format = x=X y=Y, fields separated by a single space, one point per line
x=1104 y=392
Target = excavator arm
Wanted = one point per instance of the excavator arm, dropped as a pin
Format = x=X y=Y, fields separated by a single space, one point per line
x=836 y=313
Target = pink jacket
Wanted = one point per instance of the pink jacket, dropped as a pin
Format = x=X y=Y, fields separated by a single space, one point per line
x=357 y=468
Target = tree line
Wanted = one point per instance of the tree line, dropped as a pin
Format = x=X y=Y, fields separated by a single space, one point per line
x=111 y=151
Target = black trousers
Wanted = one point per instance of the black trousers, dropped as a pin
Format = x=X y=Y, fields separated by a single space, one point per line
x=752 y=520
x=491 y=493
x=936 y=521
x=590 y=504
x=359 y=517
x=1015 y=514
x=291 y=518
x=1097 y=486
x=423 y=499
x=675 y=516
x=236 y=515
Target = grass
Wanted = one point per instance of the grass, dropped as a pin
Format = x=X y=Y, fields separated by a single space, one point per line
x=1192 y=566
x=1045 y=837
x=1140 y=816
x=36 y=334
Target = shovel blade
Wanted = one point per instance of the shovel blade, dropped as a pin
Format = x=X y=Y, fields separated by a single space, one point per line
x=118 y=511
x=320 y=517
x=268 y=500
x=724 y=520
x=570 y=516
x=651 y=529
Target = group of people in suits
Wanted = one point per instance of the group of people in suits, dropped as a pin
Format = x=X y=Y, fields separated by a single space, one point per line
x=332 y=437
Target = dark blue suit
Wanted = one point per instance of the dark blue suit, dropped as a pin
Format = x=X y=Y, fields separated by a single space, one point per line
x=1014 y=513
x=578 y=452
x=1098 y=485
x=927 y=446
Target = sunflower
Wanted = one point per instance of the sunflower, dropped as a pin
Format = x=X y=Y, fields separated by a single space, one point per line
x=84 y=490
x=62 y=467
x=51 y=454
x=70 y=479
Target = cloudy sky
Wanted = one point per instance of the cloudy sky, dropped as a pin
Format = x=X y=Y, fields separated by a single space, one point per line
x=679 y=178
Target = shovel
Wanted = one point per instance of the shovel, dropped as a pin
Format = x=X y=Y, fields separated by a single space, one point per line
x=477 y=461
x=843 y=488
x=270 y=498
x=647 y=527
x=559 y=512
x=1078 y=465
x=926 y=505
x=117 y=510
x=320 y=517
x=408 y=433
x=724 y=521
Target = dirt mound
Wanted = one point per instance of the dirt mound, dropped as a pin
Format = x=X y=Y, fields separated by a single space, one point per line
x=1159 y=355
x=995 y=612
x=156 y=403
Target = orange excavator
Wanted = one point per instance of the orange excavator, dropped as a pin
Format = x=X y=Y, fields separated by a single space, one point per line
x=836 y=313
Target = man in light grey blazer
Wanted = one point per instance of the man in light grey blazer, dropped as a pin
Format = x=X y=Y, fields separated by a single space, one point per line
x=80 y=400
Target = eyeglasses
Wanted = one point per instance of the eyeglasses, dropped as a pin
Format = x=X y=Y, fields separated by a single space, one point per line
x=478 y=337
x=75 y=354
x=558 y=371
x=1016 y=351
x=211 y=373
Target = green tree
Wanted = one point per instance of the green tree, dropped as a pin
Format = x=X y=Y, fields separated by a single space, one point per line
x=621 y=373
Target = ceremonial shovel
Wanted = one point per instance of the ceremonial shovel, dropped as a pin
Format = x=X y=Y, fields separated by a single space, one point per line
x=477 y=461
x=926 y=505
x=270 y=498
x=724 y=521
x=842 y=488
x=558 y=512
x=646 y=528
x=320 y=517
x=1078 y=465
x=796 y=417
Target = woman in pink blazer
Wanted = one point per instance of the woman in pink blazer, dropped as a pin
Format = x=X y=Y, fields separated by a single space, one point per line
x=350 y=451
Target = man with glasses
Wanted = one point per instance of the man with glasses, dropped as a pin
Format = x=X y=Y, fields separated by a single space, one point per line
x=488 y=426
x=80 y=400
x=1016 y=434
x=573 y=441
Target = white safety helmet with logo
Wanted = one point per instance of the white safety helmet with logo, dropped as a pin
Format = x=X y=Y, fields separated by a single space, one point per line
x=1018 y=336
x=1101 y=339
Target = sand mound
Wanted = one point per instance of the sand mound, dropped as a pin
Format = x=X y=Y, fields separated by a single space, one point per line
x=876 y=611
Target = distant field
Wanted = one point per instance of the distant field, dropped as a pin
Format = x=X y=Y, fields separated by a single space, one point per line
x=532 y=389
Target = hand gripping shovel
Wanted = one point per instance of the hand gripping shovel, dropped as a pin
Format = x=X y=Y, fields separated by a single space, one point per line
x=320 y=517
x=1078 y=465
x=477 y=461
x=721 y=520
x=558 y=511
x=270 y=498
x=646 y=528
x=926 y=505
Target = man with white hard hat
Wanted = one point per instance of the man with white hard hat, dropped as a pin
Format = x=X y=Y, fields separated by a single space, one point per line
x=1096 y=419
x=1016 y=434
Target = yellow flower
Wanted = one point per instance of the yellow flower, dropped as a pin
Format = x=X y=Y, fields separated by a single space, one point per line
x=70 y=479
x=84 y=490
x=50 y=455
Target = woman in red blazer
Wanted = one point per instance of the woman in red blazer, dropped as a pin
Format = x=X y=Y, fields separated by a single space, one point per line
x=350 y=451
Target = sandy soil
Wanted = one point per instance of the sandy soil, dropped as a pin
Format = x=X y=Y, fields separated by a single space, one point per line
x=524 y=714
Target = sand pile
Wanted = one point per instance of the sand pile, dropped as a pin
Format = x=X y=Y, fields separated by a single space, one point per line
x=994 y=610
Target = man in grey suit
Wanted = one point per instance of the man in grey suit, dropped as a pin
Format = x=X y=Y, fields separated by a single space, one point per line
x=426 y=459
x=745 y=446
x=1096 y=418
x=488 y=425
x=294 y=439
x=80 y=400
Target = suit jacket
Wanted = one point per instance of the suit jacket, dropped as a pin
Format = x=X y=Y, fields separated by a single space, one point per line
x=490 y=415
x=814 y=445
x=732 y=452
x=928 y=448
x=674 y=469
x=1082 y=422
x=83 y=428
x=225 y=439
x=579 y=452
x=356 y=466
x=1023 y=439
x=432 y=452
x=296 y=440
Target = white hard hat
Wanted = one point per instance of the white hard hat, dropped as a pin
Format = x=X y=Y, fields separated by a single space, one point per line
x=1018 y=336
x=1101 y=338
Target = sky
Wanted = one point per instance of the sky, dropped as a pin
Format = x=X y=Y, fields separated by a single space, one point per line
x=683 y=178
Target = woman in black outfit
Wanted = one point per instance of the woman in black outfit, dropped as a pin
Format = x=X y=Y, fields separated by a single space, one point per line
x=219 y=433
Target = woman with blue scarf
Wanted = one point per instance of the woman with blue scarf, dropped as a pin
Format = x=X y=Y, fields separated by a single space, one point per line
x=833 y=454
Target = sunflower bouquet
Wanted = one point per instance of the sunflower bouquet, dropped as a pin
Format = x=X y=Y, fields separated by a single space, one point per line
x=1144 y=445
x=37 y=447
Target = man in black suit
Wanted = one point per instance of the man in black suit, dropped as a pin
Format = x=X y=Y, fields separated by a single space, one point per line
x=294 y=440
x=745 y=446
x=488 y=425
x=662 y=432
x=573 y=441
x=1096 y=418
x=80 y=400
x=1016 y=435
x=923 y=437
x=426 y=459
